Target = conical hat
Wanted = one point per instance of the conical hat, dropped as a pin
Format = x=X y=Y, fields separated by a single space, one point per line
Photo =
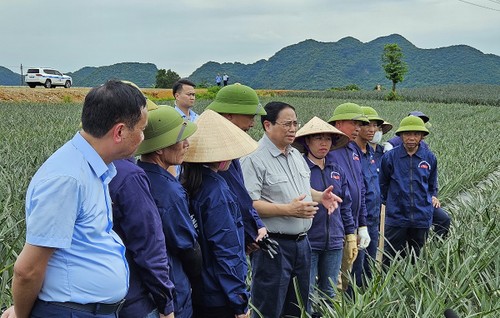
x=386 y=127
x=217 y=139
x=318 y=126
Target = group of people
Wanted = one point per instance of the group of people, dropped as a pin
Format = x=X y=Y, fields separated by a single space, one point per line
x=151 y=210
x=224 y=79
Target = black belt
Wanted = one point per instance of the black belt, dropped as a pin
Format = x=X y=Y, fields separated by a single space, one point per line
x=95 y=308
x=293 y=237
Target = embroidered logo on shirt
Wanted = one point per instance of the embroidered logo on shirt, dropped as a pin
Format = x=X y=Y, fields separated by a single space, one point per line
x=355 y=156
x=335 y=175
x=424 y=165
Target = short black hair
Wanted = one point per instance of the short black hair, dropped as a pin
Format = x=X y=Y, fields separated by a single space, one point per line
x=178 y=85
x=111 y=103
x=273 y=110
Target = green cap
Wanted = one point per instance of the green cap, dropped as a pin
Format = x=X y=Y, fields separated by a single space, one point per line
x=412 y=123
x=372 y=114
x=237 y=99
x=165 y=127
x=348 y=111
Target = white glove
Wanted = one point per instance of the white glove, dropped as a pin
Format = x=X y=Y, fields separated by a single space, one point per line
x=364 y=238
x=387 y=146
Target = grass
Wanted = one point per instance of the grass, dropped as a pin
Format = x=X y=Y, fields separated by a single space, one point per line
x=461 y=273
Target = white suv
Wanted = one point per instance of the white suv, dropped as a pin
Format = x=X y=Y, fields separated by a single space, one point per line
x=47 y=77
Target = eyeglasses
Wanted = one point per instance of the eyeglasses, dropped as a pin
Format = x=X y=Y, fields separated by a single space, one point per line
x=289 y=124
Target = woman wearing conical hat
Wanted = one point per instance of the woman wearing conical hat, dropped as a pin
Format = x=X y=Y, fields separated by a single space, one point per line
x=222 y=290
x=327 y=232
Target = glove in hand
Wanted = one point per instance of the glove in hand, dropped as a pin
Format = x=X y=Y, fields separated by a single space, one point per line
x=269 y=246
x=364 y=237
x=351 y=247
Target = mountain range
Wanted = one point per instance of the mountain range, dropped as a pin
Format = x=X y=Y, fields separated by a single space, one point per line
x=318 y=65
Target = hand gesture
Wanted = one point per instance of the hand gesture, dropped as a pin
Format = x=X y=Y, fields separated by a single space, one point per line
x=329 y=200
x=302 y=209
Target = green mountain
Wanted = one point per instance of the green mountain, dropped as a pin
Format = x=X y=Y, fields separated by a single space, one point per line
x=142 y=74
x=320 y=65
x=9 y=78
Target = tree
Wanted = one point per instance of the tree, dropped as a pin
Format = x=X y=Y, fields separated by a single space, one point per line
x=166 y=79
x=394 y=66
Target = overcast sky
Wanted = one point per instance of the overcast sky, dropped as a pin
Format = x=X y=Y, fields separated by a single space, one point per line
x=183 y=35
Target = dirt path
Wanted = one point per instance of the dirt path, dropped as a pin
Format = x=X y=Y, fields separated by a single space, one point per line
x=62 y=95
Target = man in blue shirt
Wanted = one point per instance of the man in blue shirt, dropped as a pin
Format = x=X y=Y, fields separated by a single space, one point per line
x=408 y=181
x=240 y=104
x=137 y=221
x=73 y=263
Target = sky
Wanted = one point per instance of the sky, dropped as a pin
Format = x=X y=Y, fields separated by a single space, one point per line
x=183 y=35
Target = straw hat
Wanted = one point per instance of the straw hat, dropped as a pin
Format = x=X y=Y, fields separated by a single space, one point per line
x=165 y=128
x=217 y=139
x=319 y=126
x=386 y=127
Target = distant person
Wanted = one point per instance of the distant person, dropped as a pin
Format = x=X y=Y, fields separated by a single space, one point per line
x=441 y=220
x=328 y=230
x=277 y=179
x=218 y=80
x=137 y=221
x=165 y=144
x=221 y=292
x=225 y=78
x=408 y=180
x=185 y=96
x=73 y=264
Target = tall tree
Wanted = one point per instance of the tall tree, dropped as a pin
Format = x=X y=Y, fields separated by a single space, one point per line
x=166 y=79
x=394 y=66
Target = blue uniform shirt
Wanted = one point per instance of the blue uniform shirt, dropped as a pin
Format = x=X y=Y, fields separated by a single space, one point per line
x=68 y=208
x=221 y=237
x=370 y=176
x=348 y=158
x=327 y=231
x=407 y=184
x=137 y=221
x=234 y=179
x=180 y=234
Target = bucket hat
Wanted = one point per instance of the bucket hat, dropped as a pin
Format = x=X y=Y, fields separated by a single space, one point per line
x=237 y=99
x=418 y=113
x=372 y=114
x=348 y=111
x=217 y=139
x=318 y=126
x=412 y=123
x=386 y=127
x=149 y=103
x=165 y=128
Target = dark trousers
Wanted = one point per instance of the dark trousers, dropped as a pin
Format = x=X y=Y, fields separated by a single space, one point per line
x=405 y=240
x=43 y=309
x=212 y=312
x=273 y=291
x=441 y=222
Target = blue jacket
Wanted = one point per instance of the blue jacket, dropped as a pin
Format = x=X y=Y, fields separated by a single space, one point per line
x=137 y=222
x=222 y=241
x=327 y=231
x=348 y=159
x=377 y=155
x=372 y=187
x=407 y=184
x=180 y=234
x=235 y=181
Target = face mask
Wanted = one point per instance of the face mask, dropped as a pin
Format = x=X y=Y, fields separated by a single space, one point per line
x=428 y=125
x=377 y=137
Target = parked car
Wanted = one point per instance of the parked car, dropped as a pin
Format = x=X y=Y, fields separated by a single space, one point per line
x=47 y=77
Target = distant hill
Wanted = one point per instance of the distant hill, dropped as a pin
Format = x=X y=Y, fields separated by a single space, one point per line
x=9 y=78
x=318 y=65
x=142 y=74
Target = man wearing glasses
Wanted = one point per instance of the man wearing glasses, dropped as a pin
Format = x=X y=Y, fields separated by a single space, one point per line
x=277 y=179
